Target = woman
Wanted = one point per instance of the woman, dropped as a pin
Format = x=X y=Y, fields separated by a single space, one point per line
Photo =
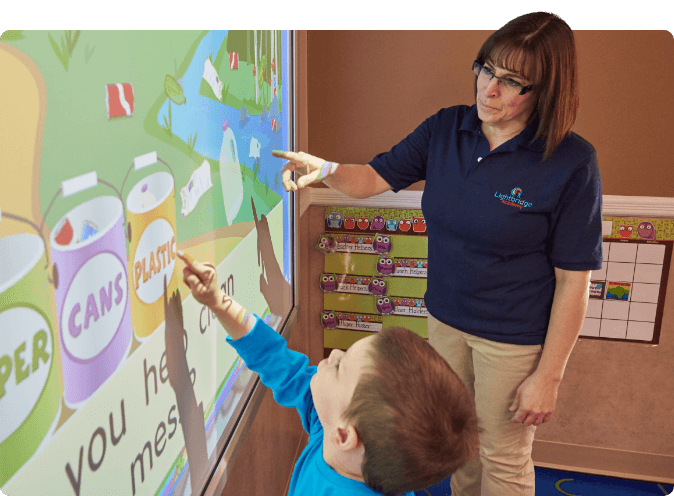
x=512 y=203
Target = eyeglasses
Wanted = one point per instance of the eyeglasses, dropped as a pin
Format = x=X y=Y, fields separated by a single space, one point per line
x=510 y=86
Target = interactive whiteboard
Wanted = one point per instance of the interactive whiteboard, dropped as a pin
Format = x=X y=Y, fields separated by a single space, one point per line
x=120 y=148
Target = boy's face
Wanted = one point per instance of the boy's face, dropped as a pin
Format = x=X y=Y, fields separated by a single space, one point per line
x=335 y=380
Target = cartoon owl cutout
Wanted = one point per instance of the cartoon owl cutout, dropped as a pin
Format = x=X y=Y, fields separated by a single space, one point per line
x=377 y=223
x=328 y=283
x=419 y=224
x=329 y=320
x=382 y=244
x=363 y=223
x=327 y=244
x=334 y=220
x=377 y=286
x=625 y=231
x=646 y=230
x=384 y=305
x=385 y=266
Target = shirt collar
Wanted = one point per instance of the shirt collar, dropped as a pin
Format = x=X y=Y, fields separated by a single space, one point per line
x=472 y=123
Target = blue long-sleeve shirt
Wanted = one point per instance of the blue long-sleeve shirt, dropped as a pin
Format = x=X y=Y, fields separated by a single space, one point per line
x=288 y=374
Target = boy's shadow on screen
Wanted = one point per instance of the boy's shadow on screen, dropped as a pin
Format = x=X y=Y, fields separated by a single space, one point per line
x=276 y=291
x=181 y=379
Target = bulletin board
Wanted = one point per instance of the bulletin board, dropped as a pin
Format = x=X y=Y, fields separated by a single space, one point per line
x=376 y=265
x=374 y=274
x=120 y=148
x=627 y=295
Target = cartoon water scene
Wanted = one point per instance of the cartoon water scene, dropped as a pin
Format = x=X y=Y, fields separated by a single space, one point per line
x=122 y=148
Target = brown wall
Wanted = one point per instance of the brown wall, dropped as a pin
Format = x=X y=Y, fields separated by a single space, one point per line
x=368 y=89
x=360 y=92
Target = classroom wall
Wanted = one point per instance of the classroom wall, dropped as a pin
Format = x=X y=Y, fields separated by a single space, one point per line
x=366 y=90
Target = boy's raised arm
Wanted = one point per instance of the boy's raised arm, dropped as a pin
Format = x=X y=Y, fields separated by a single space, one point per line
x=202 y=281
x=286 y=372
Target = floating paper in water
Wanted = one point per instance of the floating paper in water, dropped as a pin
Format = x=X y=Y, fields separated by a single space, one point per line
x=254 y=148
x=211 y=77
x=199 y=183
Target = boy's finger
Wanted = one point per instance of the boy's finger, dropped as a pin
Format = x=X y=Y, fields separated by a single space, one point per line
x=191 y=279
x=188 y=259
x=201 y=270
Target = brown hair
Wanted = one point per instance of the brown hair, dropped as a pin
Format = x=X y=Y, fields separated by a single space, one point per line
x=540 y=46
x=414 y=416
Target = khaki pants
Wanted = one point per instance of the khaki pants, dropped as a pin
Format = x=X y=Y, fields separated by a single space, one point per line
x=492 y=372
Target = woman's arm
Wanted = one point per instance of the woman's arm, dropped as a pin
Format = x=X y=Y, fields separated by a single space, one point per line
x=354 y=180
x=357 y=181
x=536 y=397
x=566 y=319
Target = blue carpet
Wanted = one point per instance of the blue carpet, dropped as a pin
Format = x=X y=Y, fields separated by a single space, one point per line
x=556 y=483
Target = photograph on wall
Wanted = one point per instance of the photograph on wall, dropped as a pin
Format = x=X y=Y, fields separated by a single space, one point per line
x=122 y=148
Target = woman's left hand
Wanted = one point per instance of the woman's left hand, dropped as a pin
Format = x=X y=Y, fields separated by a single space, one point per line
x=535 y=400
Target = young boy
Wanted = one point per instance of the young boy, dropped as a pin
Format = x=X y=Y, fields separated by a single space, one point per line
x=388 y=416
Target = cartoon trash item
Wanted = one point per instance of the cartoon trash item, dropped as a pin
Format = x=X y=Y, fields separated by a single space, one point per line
x=64 y=234
x=119 y=100
x=230 y=174
x=147 y=199
x=173 y=90
x=89 y=229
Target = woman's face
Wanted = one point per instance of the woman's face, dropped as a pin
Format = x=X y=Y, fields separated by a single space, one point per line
x=499 y=107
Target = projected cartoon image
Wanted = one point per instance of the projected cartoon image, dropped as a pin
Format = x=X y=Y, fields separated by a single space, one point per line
x=131 y=146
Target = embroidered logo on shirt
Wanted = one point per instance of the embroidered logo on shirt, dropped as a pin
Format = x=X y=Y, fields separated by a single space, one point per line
x=514 y=199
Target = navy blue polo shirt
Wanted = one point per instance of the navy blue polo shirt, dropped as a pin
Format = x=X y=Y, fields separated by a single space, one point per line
x=498 y=222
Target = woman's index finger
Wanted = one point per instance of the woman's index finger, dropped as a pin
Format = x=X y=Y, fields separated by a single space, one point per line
x=281 y=154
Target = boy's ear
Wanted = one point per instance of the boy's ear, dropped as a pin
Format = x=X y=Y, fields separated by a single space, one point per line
x=345 y=437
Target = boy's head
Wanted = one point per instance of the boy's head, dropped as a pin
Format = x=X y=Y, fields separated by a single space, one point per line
x=393 y=406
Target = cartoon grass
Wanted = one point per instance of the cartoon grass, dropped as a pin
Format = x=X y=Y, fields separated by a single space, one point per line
x=67 y=46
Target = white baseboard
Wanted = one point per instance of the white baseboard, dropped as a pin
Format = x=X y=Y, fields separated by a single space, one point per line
x=613 y=206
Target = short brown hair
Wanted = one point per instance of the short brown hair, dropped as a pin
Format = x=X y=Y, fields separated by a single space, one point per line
x=414 y=416
x=540 y=46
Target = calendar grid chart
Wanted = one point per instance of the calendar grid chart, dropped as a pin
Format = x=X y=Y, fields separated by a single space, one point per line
x=627 y=294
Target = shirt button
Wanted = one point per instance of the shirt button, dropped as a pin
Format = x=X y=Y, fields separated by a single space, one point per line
x=479 y=158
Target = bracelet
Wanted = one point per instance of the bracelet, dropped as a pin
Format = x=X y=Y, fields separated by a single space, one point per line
x=327 y=169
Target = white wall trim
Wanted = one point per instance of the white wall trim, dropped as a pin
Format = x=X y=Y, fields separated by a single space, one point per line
x=613 y=206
